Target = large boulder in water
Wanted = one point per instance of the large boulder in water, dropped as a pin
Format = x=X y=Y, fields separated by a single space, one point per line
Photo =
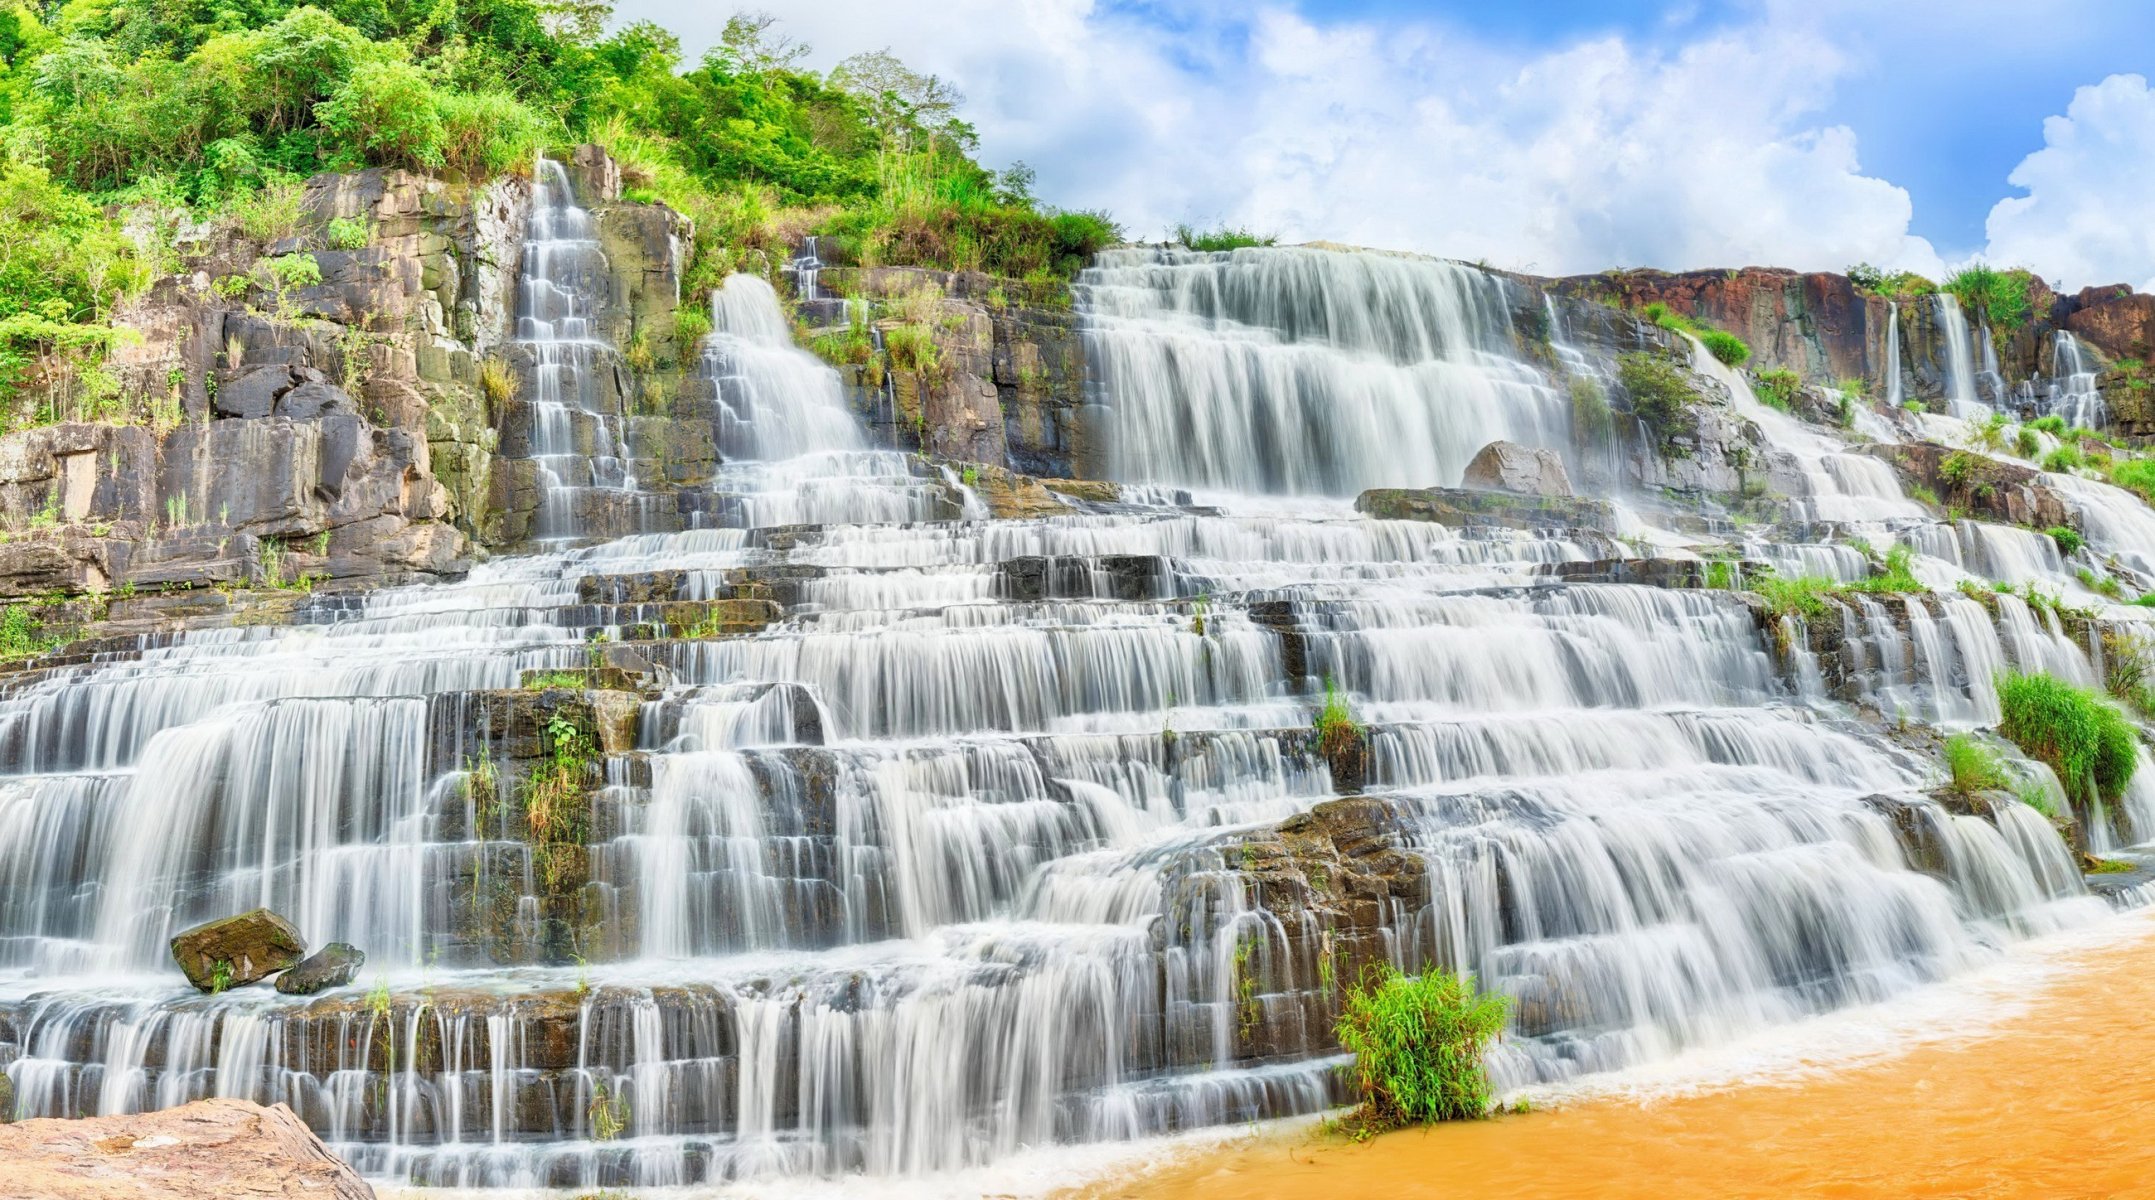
x=331 y=966
x=208 y=1150
x=236 y=951
x=1520 y=470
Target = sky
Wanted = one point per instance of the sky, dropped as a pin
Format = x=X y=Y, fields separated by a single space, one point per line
x=1560 y=136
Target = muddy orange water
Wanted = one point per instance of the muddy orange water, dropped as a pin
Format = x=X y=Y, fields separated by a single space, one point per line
x=2058 y=1101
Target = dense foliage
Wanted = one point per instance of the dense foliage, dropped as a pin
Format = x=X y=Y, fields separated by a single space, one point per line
x=1417 y=1042
x=112 y=109
x=2085 y=740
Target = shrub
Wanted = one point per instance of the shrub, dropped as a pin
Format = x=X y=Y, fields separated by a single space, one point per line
x=2026 y=444
x=1726 y=346
x=1895 y=578
x=386 y=114
x=2063 y=459
x=1227 y=237
x=2054 y=425
x=911 y=348
x=1591 y=422
x=1417 y=1043
x=1778 y=388
x=484 y=134
x=2001 y=296
x=2068 y=539
x=2082 y=738
x=1973 y=766
x=497 y=383
x=1338 y=733
x=2135 y=475
x=347 y=233
x=1661 y=397
x=1801 y=597
x=691 y=324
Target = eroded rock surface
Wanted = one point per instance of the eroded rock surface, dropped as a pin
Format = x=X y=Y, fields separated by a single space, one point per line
x=208 y=1150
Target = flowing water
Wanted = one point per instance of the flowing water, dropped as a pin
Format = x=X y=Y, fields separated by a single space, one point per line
x=1960 y=367
x=952 y=861
x=2073 y=394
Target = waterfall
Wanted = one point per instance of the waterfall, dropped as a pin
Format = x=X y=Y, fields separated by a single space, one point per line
x=1893 y=355
x=2073 y=394
x=1961 y=399
x=1010 y=833
x=1246 y=371
x=575 y=434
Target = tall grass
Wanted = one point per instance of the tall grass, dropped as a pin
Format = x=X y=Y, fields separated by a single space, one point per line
x=1226 y=237
x=1973 y=766
x=2081 y=737
x=1417 y=1042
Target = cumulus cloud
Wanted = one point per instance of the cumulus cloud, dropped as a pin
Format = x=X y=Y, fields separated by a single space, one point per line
x=2089 y=213
x=1403 y=134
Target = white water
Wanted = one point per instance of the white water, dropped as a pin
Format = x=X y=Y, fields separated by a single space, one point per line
x=1893 y=356
x=999 y=902
x=2073 y=394
x=1960 y=369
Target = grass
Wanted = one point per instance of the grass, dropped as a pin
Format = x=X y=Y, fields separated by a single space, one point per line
x=1803 y=597
x=1726 y=346
x=1778 y=388
x=2064 y=459
x=1661 y=398
x=1417 y=1042
x=497 y=382
x=2126 y=674
x=1226 y=237
x=1592 y=424
x=2135 y=475
x=1973 y=766
x=2054 y=425
x=2001 y=296
x=1338 y=732
x=2084 y=739
x=554 y=679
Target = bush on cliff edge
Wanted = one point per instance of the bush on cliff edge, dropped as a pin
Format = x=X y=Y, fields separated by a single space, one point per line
x=2082 y=738
x=1417 y=1042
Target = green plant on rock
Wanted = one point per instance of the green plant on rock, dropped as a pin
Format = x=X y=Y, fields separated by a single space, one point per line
x=1778 y=388
x=2001 y=297
x=2064 y=459
x=1418 y=1042
x=497 y=382
x=1973 y=767
x=1661 y=398
x=347 y=233
x=2026 y=444
x=2068 y=539
x=1592 y=424
x=609 y=1113
x=1733 y=351
x=2127 y=654
x=1226 y=237
x=2085 y=741
x=220 y=976
x=1338 y=733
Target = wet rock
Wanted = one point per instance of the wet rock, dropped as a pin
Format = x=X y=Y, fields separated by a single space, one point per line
x=1520 y=470
x=1461 y=509
x=208 y=1150
x=253 y=393
x=236 y=951
x=1986 y=487
x=331 y=966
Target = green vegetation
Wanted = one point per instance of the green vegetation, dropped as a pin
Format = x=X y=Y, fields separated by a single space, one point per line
x=2063 y=459
x=2001 y=297
x=1803 y=597
x=1723 y=345
x=1417 y=1043
x=546 y=680
x=1778 y=388
x=2054 y=425
x=2126 y=673
x=2068 y=539
x=553 y=795
x=1592 y=424
x=1226 y=237
x=1974 y=766
x=22 y=635
x=2026 y=444
x=153 y=112
x=1661 y=398
x=1338 y=733
x=2081 y=737
x=608 y=1112
x=1895 y=285
x=2136 y=475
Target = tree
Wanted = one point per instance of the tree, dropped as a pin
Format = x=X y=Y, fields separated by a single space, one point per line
x=900 y=101
x=748 y=45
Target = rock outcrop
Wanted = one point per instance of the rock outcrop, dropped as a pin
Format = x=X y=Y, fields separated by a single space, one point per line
x=236 y=951
x=208 y=1150
x=1463 y=509
x=1510 y=467
x=1815 y=324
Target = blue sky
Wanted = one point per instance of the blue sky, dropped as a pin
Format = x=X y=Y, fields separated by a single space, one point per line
x=1565 y=135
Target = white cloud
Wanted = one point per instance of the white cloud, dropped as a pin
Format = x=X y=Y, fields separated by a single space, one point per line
x=1403 y=135
x=2089 y=215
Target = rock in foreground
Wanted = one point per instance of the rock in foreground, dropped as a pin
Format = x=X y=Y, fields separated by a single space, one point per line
x=1523 y=471
x=235 y=951
x=331 y=966
x=208 y=1150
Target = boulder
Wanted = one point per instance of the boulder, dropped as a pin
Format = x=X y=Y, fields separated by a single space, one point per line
x=1520 y=470
x=331 y=966
x=208 y=1150
x=251 y=947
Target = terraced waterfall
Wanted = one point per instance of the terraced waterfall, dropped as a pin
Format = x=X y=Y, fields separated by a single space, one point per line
x=860 y=832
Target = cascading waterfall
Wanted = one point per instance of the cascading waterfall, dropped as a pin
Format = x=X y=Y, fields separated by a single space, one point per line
x=1893 y=355
x=2073 y=394
x=954 y=859
x=1960 y=393
x=1247 y=372
x=574 y=435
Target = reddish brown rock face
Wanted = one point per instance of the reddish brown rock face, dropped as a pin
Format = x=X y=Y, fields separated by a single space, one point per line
x=1817 y=324
x=208 y=1150
x=2123 y=327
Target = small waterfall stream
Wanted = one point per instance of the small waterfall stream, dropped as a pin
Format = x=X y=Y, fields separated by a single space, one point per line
x=956 y=857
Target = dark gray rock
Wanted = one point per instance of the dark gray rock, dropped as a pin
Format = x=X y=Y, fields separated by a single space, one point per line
x=331 y=966
x=253 y=392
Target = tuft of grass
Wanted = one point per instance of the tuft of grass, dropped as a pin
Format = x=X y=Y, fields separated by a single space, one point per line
x=1337 y=731
x=1804 y=596
x=1778 y=389
x=1661 y=398
x=1726 y=346
x=2081 y=737
x=497 y=382
x=1226 y=237
x=1417 y=1042
x=2064 y=459
x=1973 y=766
x=1591 y=422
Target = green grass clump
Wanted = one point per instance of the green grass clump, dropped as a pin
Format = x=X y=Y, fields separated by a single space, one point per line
x=2063 y=459
x=1226 y=237
x=1591 y=422
x=1973 y=766
x=2054 y=425
x=2000 y=296
x=1894 y=577
x=2026 y=444
x=1417 y=1042
x=1804 y=596
x=1337 y=730
x=1726 y=346
x=1778 y=388
x=2081 y=737
x=2135 y=475
x=2068 y=539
